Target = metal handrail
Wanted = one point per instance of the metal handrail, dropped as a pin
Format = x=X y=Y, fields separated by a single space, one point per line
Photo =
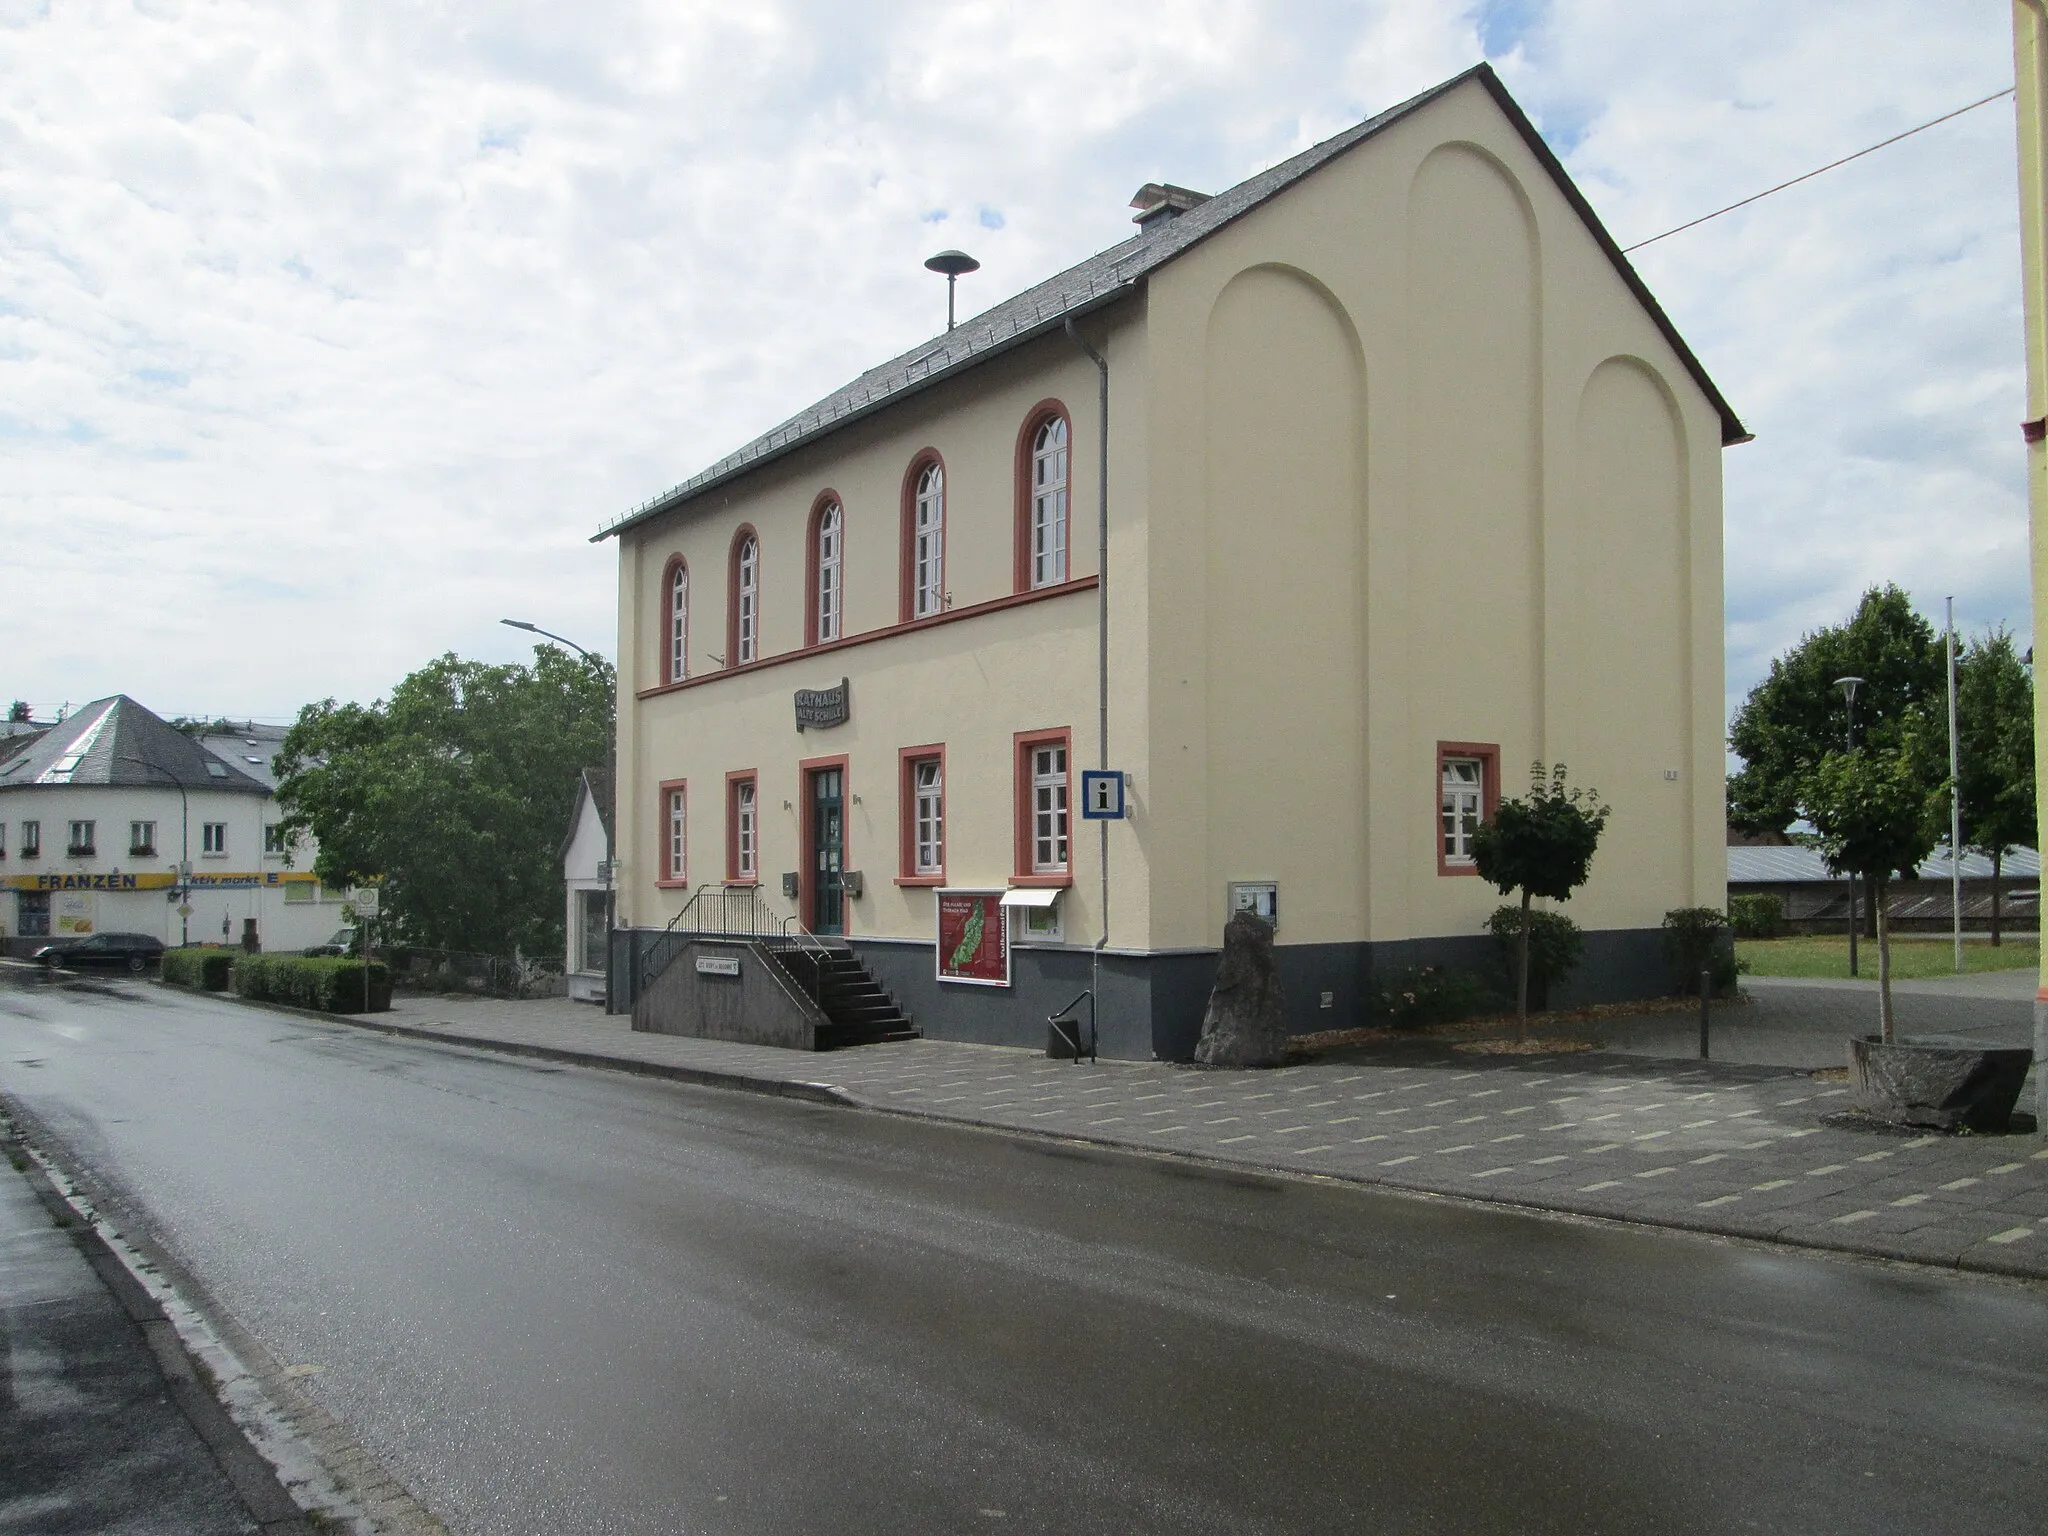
x=1065 y=1015
x=736 y=913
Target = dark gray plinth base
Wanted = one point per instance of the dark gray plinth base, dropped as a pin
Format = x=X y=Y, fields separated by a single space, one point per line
x=1944 y=1088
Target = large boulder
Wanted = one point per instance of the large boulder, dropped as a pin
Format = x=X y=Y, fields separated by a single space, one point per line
x=1944 y=1088
x=1245 y=1025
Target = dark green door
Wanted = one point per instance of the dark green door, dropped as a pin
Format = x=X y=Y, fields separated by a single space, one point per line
x=828 y=850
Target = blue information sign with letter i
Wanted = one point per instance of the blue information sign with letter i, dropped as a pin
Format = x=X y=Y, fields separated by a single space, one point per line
x=1102 y=794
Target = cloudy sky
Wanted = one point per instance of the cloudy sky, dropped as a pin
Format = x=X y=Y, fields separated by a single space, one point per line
x=330 y=331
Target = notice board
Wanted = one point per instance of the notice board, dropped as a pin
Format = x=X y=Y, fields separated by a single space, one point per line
x=974 y=941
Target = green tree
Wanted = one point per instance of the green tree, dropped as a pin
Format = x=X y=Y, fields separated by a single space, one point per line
x=454 y=794
x=1995 y=753
x=1540 y=846
x=1877 y=812
x=1796 y=716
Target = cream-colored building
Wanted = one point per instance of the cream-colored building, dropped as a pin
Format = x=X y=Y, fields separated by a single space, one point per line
x=1409 y=483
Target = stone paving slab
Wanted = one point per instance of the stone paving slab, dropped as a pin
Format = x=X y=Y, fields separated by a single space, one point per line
x=1730 y=1149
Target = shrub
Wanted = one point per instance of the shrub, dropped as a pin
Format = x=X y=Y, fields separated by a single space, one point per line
x=1757 y=916
x=205 y=967
x=1695 y=939
x=1556 y=944
x=327 y=983
x=1431 y=994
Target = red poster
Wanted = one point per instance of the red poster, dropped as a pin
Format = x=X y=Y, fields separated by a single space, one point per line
x=974 y=941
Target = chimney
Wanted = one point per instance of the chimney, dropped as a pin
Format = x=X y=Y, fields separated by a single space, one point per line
x=1158 y=202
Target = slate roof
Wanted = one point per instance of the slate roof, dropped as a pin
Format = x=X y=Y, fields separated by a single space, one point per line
x=1797 y=866
x=98 y=745
x=1108 y=275
x=249 y=748
x=593 y=785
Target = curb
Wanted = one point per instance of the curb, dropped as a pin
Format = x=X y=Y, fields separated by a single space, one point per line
x=254 y=1480
x=706 y=1077
x=1999 y=1265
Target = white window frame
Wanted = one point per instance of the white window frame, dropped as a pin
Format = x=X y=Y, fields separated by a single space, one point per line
x=679 y=625
x=1462 y=808
x=928 y=543
x=31 y=843
x=677 y=813
x=928 y=816
x=831 y=552
x=213 y=839
x=141 y=835
x=1051 y=847
x=746 y=860
x=84 y=837
x=274 y=843
x=1049 y=502
x=747 y=583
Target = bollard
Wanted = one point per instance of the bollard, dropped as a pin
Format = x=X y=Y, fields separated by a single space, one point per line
x=1706 y=1000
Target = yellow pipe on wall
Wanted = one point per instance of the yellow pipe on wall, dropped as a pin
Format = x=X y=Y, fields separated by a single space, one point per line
x=2030 y=74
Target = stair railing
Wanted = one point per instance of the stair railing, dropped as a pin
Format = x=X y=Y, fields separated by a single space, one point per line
x=1068 y=1027
x=738 y=912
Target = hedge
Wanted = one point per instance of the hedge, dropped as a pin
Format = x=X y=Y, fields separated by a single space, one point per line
x=205 y=967
x=329 y=983
x=1758 y=915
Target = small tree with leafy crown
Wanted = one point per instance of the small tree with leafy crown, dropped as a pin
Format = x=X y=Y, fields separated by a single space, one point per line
x=1539 y=846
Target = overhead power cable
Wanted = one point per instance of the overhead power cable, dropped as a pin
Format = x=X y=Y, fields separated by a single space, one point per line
x=1831 y=165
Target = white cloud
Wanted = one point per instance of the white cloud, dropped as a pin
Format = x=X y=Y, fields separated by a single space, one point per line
x=328 y=333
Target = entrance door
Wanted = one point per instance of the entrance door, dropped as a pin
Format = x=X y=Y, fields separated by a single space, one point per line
x=828 y=850
x=32 y=920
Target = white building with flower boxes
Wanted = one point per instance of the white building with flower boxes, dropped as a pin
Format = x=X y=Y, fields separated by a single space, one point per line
x=102 y=815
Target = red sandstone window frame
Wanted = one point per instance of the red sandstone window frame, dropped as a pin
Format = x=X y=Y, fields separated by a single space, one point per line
x=740 y=538
x=1487 y=754
x=1034 y=420
x=906 y=605
x=814 y=569
x=1024 y=743
x=668 y=666
x=907 y=760
x=735 y=874
x=669 y=877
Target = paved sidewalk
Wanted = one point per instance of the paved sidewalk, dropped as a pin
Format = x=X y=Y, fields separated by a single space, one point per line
x=1740 y=1150
x=104 y=1423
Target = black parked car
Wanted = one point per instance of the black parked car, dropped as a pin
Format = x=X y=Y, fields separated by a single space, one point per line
x=104 y=951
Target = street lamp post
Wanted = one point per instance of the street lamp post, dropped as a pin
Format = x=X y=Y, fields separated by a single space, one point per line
x=1849 y=685
x=184 y=844
x=611 y=768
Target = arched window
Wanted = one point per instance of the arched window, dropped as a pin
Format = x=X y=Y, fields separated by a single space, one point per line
x=926 y=552
x=743 y=638
x=675 y=650
x=1048 y=533
x=828 y=550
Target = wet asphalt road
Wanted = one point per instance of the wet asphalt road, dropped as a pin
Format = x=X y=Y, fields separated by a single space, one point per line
x=562 y=1301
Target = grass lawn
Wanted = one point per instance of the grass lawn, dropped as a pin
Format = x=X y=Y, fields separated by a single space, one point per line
x=1921 y=956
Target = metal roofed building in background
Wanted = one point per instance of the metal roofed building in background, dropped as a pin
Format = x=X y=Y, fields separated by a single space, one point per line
x=1795 y=865
x=1107 y=275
